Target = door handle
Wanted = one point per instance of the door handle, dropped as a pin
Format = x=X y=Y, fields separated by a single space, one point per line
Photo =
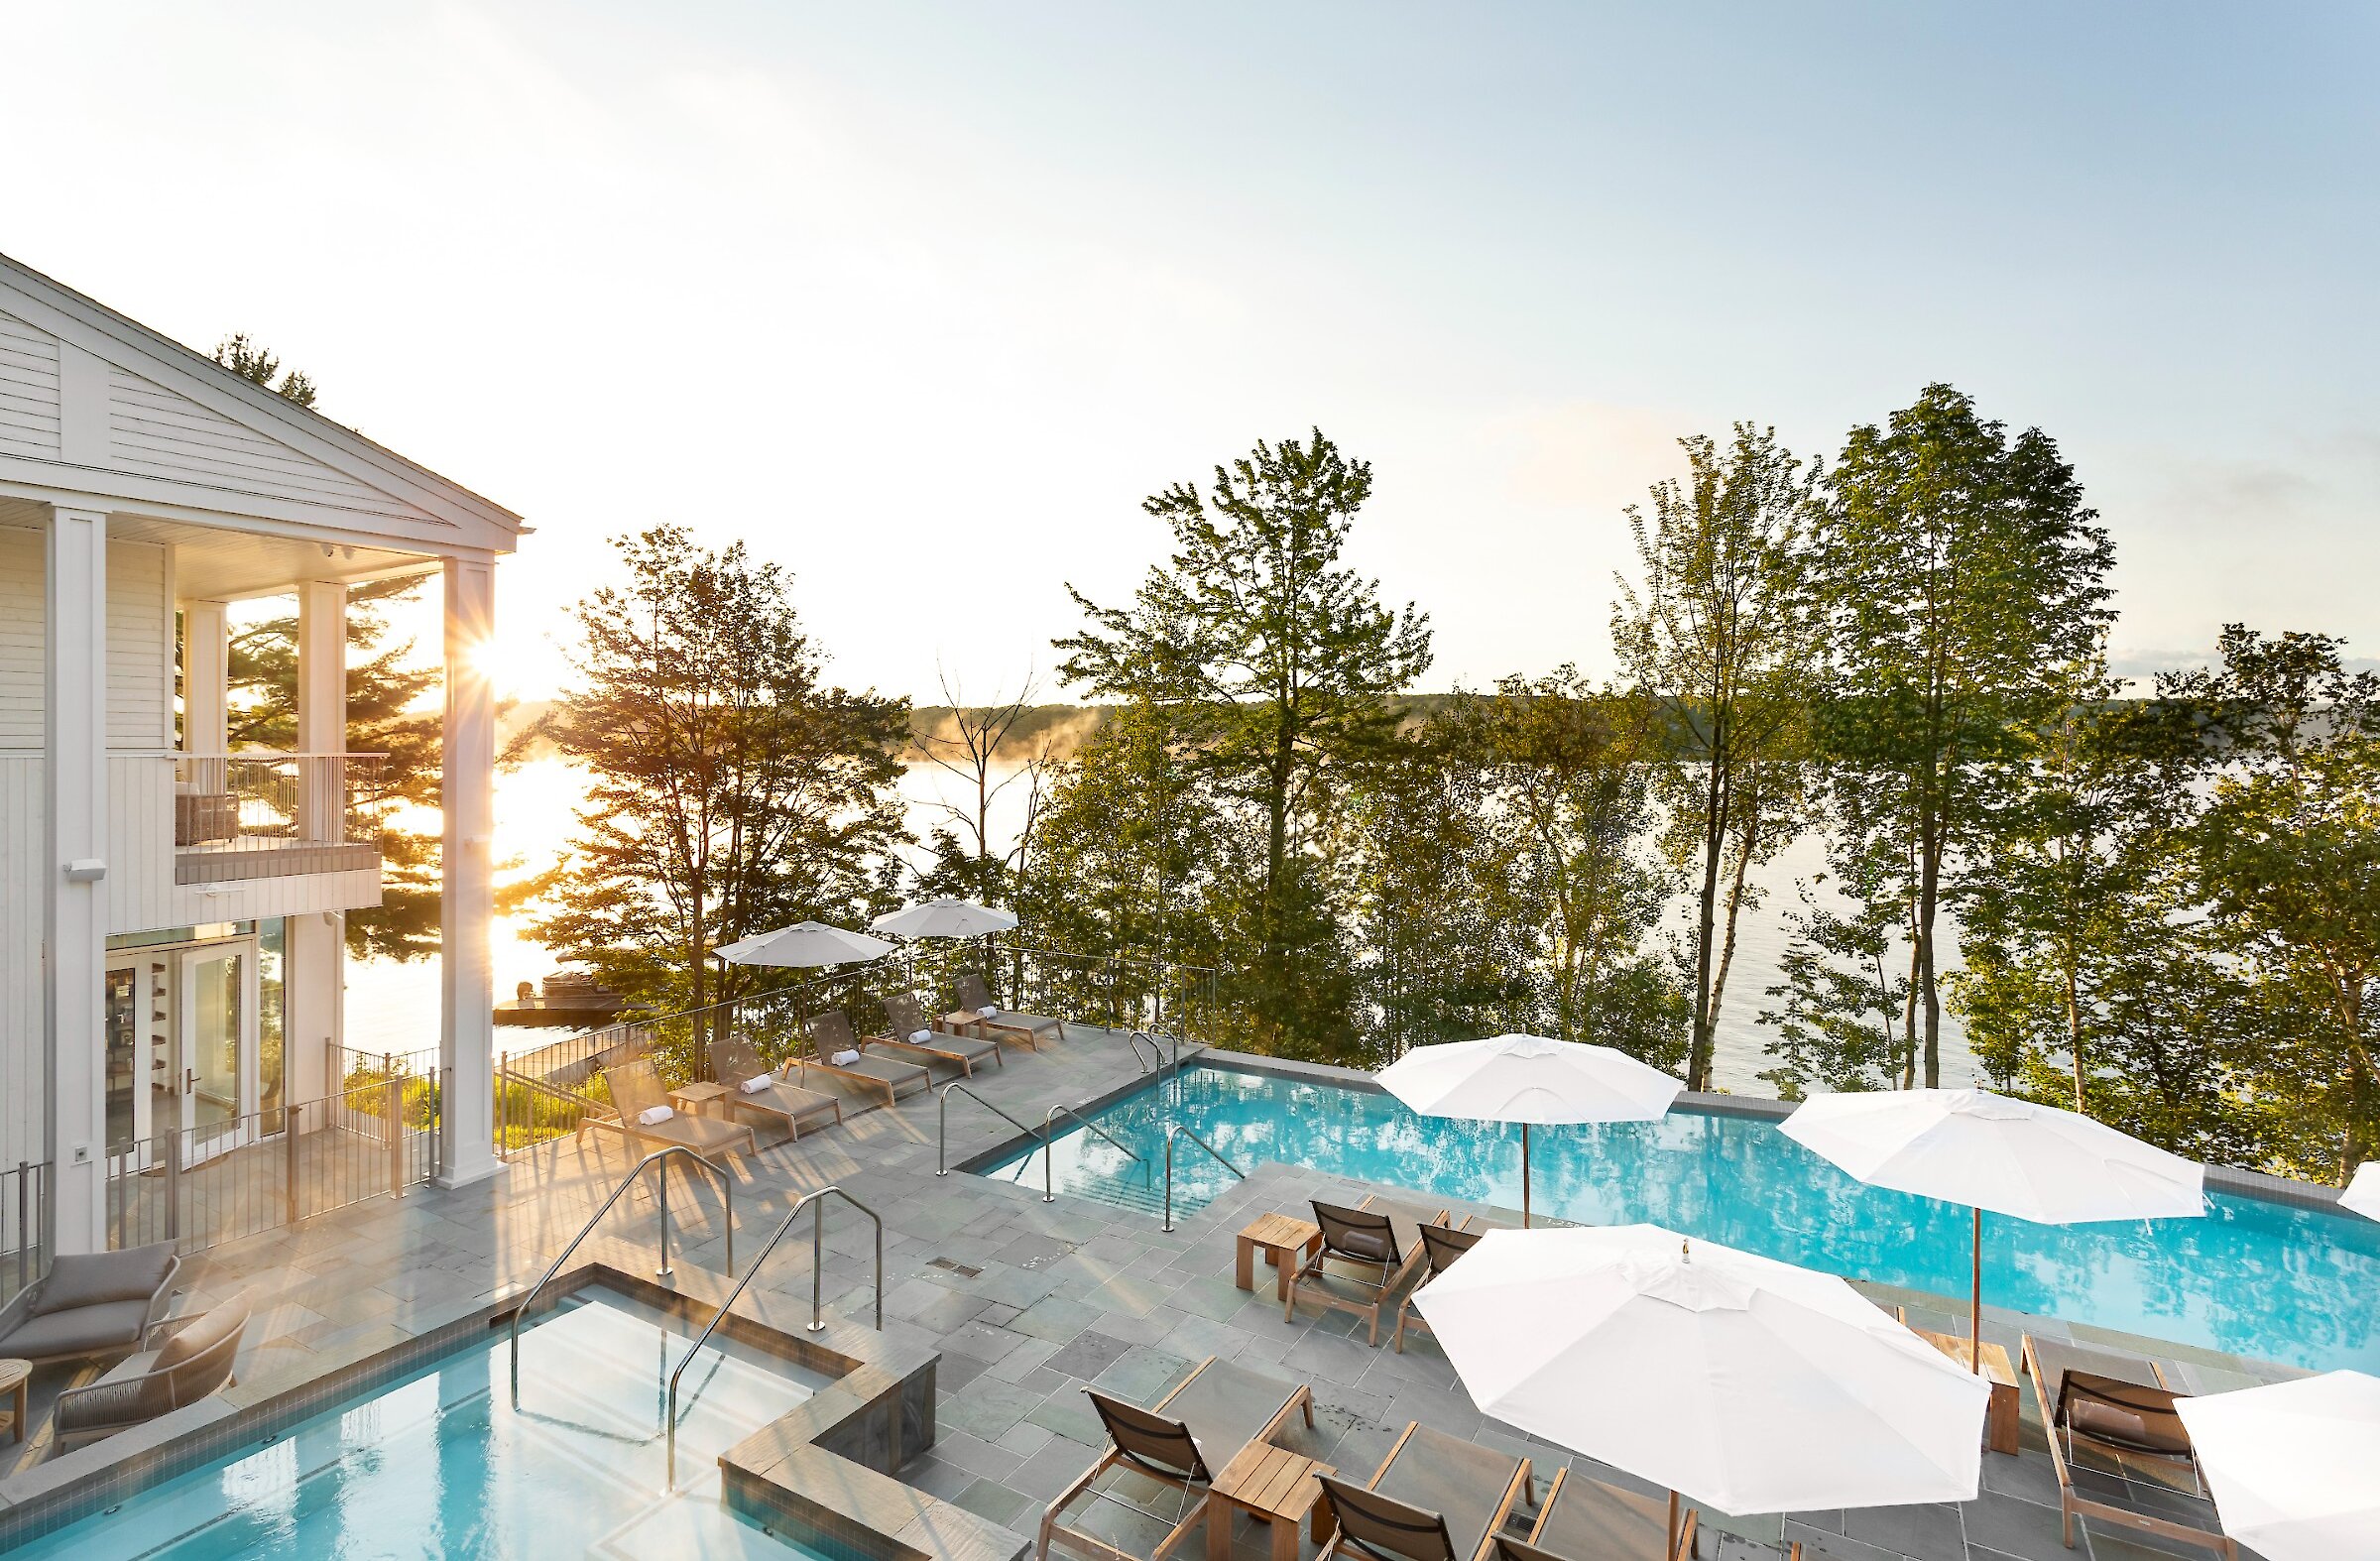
x=189 y=1081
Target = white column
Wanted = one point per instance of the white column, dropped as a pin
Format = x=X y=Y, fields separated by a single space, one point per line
x=321 y=707
x=205 y=679
x=468 y=798
x=75 y=913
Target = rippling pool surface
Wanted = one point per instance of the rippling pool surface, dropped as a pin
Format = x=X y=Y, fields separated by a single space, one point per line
x=2256 y=1278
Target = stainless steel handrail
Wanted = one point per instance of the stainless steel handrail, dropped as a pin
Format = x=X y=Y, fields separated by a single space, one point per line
x=1186 y=1133
x=942 y=1121
x=726 y=1192
x=1156 y=1054
x=1054 y=1112
x=817 y=1268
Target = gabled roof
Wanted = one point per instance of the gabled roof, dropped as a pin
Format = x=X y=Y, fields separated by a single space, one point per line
x=93 y=402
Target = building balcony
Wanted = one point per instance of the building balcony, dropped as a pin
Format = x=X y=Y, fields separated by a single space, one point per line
x=269 y=815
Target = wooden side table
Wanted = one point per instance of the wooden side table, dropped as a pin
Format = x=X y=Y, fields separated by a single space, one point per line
x=16 y=1378
x=692 y=1098
x=2000 y=1419
x=1284 y=1237
x=1270 y=1483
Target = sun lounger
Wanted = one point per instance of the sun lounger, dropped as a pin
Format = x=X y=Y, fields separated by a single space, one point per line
x=193 y=1362
x=734 y=1061
x=831 y=1037
x=906 y=1021
x=1002 y=1024
x=1586 y=1519
x=1191 y=1435
x=1435 y=1498
x=636 y=1088
x=2112 y=1417
x=1368 y=1255
x=1441 y=1245
x=91 y=1304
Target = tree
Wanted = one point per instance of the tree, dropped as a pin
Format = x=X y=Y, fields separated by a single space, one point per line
x=1721 y=642
x=729 y=788
x=252 y=361
x=964 y=861
x=1274 y=661
x=1955 y=571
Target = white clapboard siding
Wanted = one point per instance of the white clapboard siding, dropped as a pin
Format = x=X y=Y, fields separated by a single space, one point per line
x=27 y=390
x=24 y=1086
x=291 y=894
x=140 y=843
x=21 y=652
x=156 y=433
x=140 y=646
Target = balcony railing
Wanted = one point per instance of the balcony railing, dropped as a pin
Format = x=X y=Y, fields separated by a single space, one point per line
x=254 y=815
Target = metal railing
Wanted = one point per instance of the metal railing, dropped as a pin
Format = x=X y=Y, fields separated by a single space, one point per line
x=274 y=802
x=1054 y=1112
x=1156 y=1058
x=817 y=1203
x=1127 y=991
x=24 y=1255
x=218 y=1180
x=1171 y=1133
x=529 y=1111
x=942 y=1122
x=727 y=1195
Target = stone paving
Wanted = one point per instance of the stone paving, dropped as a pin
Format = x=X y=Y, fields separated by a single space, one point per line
x=1028 y=1302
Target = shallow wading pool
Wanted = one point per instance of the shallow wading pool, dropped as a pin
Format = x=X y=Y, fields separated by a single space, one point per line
x=2270 y=1280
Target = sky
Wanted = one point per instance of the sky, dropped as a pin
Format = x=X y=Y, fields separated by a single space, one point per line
x=919 y=300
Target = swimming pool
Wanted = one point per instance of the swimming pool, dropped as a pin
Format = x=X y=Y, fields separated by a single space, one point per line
x=444 y=1465
x=2271 y=1281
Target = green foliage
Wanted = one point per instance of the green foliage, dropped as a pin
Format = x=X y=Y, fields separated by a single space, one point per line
x=731 y=790
x=254 y=362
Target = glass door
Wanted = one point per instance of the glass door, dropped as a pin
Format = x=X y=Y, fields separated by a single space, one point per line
x=143 y=1094
x=218 y=1034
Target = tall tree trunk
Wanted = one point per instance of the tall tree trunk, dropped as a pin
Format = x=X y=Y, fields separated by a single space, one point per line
x=1928 y=895
x=1698 y=1058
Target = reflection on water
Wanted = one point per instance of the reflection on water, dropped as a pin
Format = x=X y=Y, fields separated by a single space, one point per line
x=2254 y=1279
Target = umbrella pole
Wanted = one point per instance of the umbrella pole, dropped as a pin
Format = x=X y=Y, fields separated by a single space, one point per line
x=1524 y=1175
x=1975 y=1304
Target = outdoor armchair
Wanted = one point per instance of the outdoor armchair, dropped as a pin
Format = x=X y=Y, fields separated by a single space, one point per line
x=1435 y=1498
x=193 y=1362
x=2111 y=1415
x=95 y=1304
x=1182 y=1443
x=734 y=1063
x=1369 y=1253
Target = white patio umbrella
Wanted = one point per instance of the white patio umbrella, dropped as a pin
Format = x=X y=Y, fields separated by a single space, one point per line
x=1529 y=1079
x=804 y=946
x=2363 y=1191
x=1735 y=1379
x=1989 y=1152
x=2292 y=1466
x=952 y=919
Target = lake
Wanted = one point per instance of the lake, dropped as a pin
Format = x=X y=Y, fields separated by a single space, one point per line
x=393 y=1006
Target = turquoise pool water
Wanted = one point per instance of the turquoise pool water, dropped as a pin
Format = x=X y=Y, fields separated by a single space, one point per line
x=442 y=1465
x=2265 y=1279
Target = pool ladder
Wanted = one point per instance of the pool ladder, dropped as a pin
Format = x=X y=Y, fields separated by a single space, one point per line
x=817 y=1203
x=1173 y=1132
x=727 y=1194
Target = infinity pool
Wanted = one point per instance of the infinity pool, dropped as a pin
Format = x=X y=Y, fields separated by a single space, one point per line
x=444 y=1465
x=2270 y=1281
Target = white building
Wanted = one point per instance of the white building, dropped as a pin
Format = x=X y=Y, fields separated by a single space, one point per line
x=171 y=913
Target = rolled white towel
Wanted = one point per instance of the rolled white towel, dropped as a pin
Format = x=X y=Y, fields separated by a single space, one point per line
x=843 y=1059
x=986 y=1013
x=754 y=1086
x=654 y=1116
x=922 y=1037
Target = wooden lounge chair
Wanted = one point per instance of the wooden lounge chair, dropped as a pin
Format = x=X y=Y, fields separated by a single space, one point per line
x=1435 y=1498
x=1441 y=1245
x=194 y=1361
x=904 y=1022
x=1191 y=1435
x=635 y=1089
x=733 y=1062
x=1586 y=1519
x=1368 y=1255
x=1006 y=1024
x=831 y=1037
x=2112 y=1415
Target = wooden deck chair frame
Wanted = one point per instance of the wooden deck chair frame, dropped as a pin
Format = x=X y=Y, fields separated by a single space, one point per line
x=1541 y=1546
x=897 y=1030
x=735 y=1056
x=2071 y=1505
x=636 y=1072
x=1397 y=1267
x=1345 y=1497
x=1441 y=1246
x=821 y=1049
x=1014 y=1029
x=1193 y=1484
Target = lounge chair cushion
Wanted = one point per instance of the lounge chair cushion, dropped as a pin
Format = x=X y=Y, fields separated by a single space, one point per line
x=2122 y=1415
x=203 y=1333
x=86 y=1330
x=1462 y=1482
x=87 y=1280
